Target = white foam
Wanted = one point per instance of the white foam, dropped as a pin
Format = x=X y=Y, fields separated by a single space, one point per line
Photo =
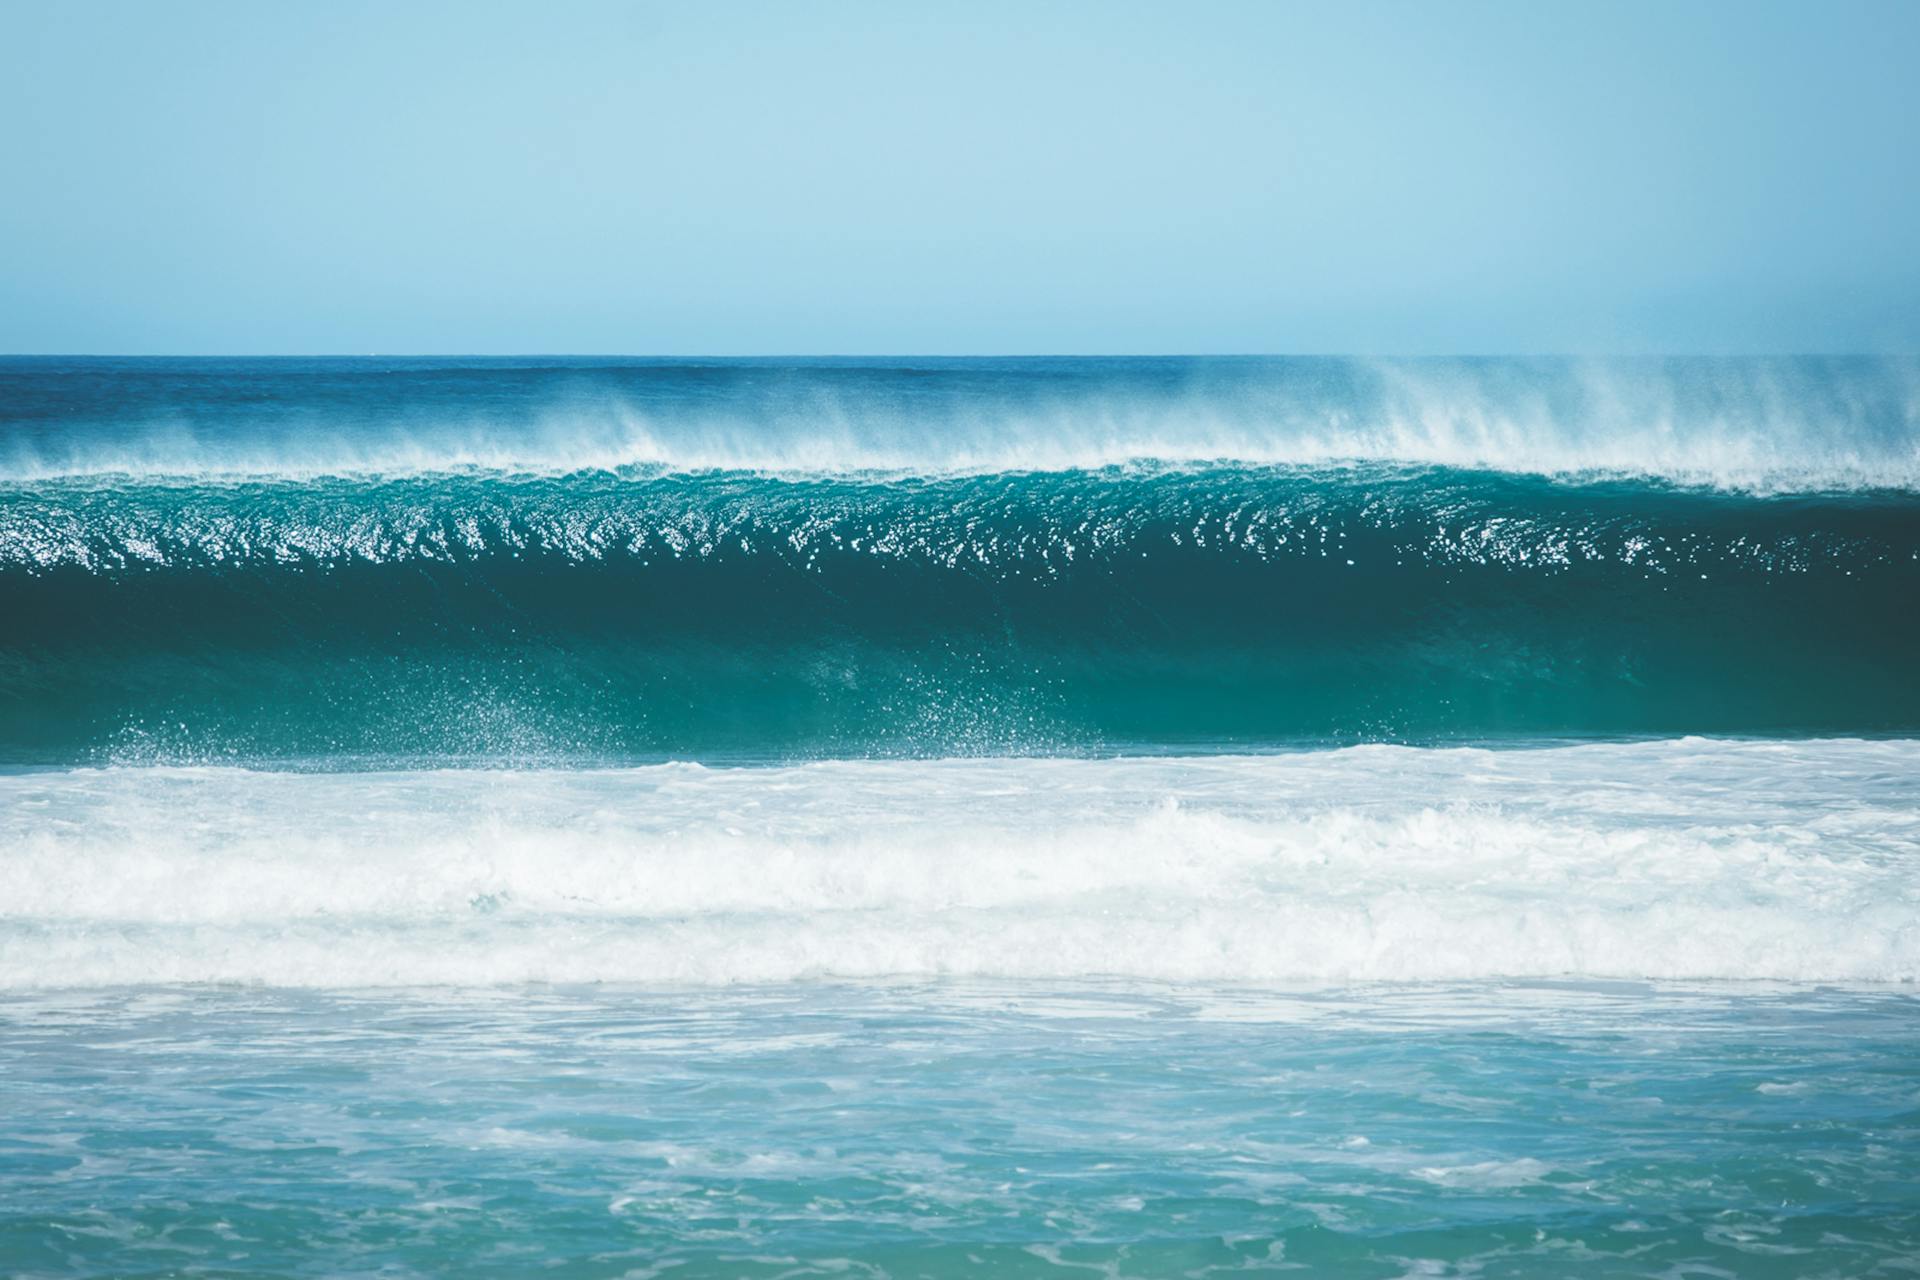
x=1662 y=860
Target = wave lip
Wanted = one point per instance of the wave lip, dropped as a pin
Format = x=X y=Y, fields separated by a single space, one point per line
x=1687 y=859
x=1260 y=512
x=1772 y=425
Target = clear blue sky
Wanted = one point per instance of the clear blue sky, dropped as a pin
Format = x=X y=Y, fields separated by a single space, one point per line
x=261 y=176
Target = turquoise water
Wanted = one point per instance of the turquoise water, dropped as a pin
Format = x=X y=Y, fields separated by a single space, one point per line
x=1142 y=817
x=644 y=616
x=963 y=1129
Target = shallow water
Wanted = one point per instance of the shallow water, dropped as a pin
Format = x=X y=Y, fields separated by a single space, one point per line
x=1488 y=1129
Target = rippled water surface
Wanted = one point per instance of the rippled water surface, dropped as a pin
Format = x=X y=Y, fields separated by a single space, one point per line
x=961 y=1129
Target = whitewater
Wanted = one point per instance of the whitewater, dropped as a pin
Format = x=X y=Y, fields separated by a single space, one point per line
x=1684 y=860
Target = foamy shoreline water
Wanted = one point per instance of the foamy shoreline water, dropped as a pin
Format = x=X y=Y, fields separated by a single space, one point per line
x=1023 y=1128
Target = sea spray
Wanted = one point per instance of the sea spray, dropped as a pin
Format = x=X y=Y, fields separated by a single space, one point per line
x=1769 y=424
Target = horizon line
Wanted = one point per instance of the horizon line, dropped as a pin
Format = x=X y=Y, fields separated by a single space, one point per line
x=1835 y=354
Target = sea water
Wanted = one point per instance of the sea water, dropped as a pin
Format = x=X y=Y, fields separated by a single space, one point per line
x=1144 y=817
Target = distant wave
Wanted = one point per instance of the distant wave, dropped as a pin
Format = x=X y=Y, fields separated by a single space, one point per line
x=1683 y=859
x=1782 y=425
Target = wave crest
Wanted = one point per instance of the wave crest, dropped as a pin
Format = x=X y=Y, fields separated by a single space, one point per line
x=1755 y=424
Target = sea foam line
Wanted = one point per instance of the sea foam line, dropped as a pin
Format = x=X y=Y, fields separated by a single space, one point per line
x=1690 y=859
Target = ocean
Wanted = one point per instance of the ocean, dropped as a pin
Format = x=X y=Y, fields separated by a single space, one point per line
x=619 y=817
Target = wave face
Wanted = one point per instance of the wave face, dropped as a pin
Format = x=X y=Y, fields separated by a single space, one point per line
x=317 y=569
x=622 y=618
x=1690 y=859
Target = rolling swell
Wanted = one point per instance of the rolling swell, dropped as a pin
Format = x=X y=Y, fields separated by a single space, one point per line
x=646 y=613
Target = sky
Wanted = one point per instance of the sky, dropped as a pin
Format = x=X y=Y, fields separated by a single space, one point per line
x=817 y=178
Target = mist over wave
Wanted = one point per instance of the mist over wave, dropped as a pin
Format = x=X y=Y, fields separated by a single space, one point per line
x=1784 y=424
